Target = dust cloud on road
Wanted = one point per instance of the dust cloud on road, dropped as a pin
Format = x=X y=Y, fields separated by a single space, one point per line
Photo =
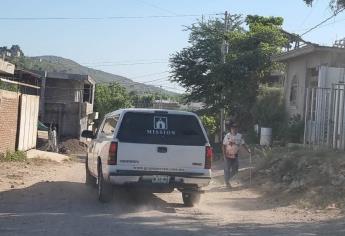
x=52 y=199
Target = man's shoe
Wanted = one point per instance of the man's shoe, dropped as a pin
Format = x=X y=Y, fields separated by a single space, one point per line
x=228 y=185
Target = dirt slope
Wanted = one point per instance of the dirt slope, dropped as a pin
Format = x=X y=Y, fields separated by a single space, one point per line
x=313 y=179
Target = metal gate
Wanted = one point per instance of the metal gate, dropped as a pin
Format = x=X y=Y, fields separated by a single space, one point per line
x=27 y=136
x=325 y=117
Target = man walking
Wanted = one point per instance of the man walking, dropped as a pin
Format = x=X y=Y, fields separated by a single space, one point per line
x=231 y=145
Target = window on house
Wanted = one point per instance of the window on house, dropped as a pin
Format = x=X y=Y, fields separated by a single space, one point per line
x=312 y=78
x=294 y=91
x=314 y=72
x=87 y=93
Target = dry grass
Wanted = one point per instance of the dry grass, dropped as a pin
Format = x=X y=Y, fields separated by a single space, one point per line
x=313 y=179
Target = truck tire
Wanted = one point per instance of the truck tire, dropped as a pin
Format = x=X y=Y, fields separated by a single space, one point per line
x=190 y=199
x=89 y=179
x=105 y=190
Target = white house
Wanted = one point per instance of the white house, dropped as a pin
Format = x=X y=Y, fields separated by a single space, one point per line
x=314 y=89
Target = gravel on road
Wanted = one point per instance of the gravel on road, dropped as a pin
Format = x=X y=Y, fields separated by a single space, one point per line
x=48 y=198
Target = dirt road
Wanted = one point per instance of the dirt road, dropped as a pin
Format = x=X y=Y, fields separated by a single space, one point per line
x=51 y=199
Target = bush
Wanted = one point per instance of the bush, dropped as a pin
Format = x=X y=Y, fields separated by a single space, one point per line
x=295 y=130
x=269 y=111
x=13 y=156
x=8 y=87
x=251 y=137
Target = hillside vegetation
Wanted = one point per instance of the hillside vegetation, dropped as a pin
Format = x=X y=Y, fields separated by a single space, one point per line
x=59 y=64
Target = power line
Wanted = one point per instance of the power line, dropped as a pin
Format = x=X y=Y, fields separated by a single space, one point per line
x=131 y=64
x=335 y=22
x=146 y=75
x=157 y=7
x=102 y=18
x=149 y=83
x=156 y=80
x=309 y=14
x=164 y=86
x=172 y=88
x=324 y=21
x=123 y=61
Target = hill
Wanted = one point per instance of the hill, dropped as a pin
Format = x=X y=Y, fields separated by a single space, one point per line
x=60 y=64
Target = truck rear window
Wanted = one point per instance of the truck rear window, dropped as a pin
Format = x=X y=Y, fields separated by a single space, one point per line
x=168 y=129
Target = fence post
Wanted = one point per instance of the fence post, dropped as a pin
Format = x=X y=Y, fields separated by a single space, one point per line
x=341 y=116
x=306 y=118
x=337 y=117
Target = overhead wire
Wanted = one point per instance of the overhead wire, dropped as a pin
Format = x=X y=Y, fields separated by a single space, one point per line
x=164 y=86
x=131 y=64
x=332 y=23
x=324 y=21
x=154 y=83
x=309 y=14
x=172 y=88
x=157 y=7
x=104 y=18
x=146 y=75
x=115 y=18
x=156 y=80
x=122 y=61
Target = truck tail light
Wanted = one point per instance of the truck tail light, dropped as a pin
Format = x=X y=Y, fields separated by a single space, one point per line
x=112 y=158
x=208 y=157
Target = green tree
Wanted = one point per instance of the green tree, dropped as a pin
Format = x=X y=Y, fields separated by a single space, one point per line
x=110 y=97
x=232 y=85
x=197 y=67
x=209 y=123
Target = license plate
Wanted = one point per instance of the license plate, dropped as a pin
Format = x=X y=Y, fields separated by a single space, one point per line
x=160 y=179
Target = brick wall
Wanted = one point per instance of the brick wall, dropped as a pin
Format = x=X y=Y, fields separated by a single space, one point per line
x=9 y=102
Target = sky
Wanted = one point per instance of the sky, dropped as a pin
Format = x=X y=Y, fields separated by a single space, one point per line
x=139 y=48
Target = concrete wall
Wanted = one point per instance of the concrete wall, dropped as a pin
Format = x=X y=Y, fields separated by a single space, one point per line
x=64 y=105
x=6 y=67
x=299 y=67
x=63 y=91
x=65 y=116
x=70 y=118
x=9 y=103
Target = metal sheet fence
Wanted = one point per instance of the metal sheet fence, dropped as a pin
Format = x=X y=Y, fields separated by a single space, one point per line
x=29 y=105
x=325 y=117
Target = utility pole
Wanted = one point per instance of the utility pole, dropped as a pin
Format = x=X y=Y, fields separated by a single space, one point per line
x=225 y=49
x=161 y=100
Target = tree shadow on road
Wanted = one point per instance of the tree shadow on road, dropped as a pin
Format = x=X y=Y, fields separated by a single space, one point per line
x=71 y=196
x=68 y=208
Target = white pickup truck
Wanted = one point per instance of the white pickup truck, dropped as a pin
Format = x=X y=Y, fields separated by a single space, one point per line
x=152 y=150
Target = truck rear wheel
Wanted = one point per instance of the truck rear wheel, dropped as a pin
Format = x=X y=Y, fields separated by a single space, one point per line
x=89 y=179
x=105 y=190
x=190 y=199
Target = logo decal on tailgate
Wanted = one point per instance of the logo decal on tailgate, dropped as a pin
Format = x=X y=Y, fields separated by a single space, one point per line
x=160 y=126
x=160 y=122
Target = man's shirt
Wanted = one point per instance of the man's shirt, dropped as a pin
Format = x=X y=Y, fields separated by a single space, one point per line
x=232 y=144
x=236 y=138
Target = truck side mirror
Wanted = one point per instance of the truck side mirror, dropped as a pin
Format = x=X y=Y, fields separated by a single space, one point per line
x=88 y=134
